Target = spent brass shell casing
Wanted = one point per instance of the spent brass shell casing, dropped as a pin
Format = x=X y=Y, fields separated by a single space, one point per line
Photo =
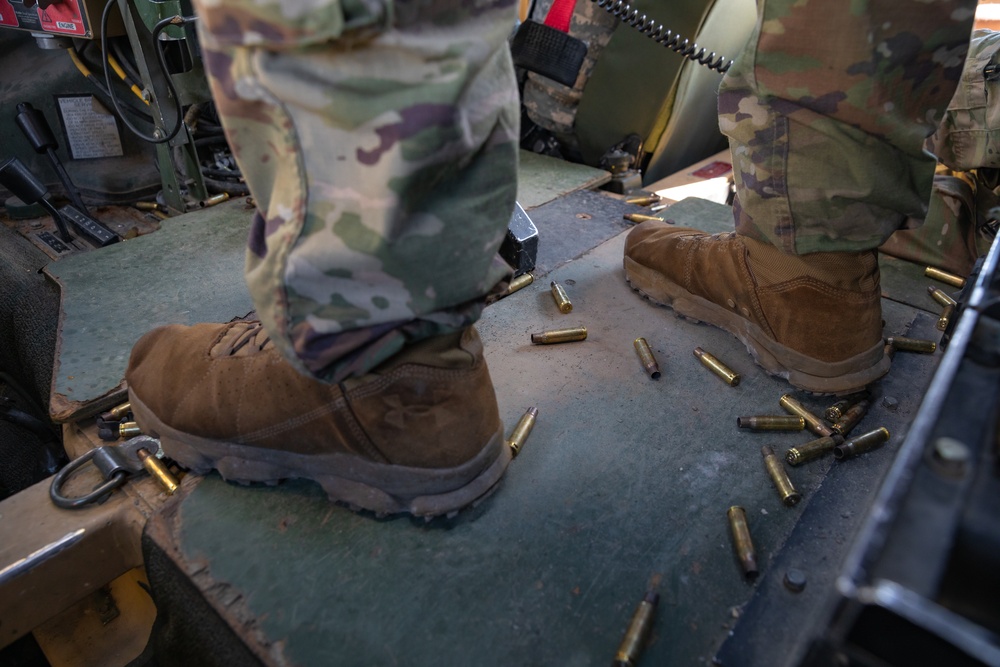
x=522 y=430
x=128 y=430
x=215 y=199
x=837 y=410
x=741 y=540
x=147 y=205
x=519 y=283
x=638 y=630
x=861 y=444
x=562 y=299
x=944 y=318
x=813 y=423
x=789 y=496
x=158 y=471
x=912 y=344
x=812 y=450
x=559 y=336
x=644 y=200
x=940 y=296
x=639 y=217
x=945 y=277
x=772 y=423
x=120 y=411
x=728 y=376
x=647 y=358
x=852 y=417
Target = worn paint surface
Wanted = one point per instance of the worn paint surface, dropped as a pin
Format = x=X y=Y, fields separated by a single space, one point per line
x=623 y=484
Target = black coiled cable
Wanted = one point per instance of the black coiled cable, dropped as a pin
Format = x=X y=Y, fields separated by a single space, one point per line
x=656 y=32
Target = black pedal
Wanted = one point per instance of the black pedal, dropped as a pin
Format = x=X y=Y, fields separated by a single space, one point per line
x=90 y=229
x=51 y=241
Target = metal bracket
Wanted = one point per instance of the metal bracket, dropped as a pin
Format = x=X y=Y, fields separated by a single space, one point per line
x=116 y=463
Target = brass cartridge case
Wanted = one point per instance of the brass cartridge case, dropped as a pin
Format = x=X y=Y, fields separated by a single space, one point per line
x=128 y=430
x=944 y=318
x=561 y=298
x=119 y=411
x=647 y=358
x=559 y=336
x=741 y=540
x=940 y=296
x=639 y=217
x=519 y=283
x=644 y=200
x=147 y=206
x=945 y=277
x=813 y=423
x=638 y=630
x=862 y=443
x=728 y=376
x=522 y=430
x=772 y=423
x=214 y=199
x=837 y=410
x=789 y=496
x=812 y=450
x=852 y=417
x=158 y=471
x=912 y=344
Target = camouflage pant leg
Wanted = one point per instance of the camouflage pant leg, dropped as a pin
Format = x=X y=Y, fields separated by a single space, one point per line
x=827 y=111
x=379 y=141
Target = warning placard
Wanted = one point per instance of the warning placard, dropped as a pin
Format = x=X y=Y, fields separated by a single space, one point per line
x=91 y=130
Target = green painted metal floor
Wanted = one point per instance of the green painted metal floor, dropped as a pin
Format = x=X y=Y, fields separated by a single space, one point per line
x=623 y=486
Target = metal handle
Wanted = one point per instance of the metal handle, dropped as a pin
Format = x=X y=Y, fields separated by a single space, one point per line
x=116 y=480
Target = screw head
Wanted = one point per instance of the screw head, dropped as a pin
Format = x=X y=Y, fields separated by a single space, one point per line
x=795 y=579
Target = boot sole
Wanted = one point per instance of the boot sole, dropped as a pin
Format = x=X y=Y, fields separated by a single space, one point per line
x=361 y=484
x=799 y=370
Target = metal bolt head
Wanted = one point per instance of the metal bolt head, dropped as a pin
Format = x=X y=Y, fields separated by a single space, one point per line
x=890 y=403
x=795 y=580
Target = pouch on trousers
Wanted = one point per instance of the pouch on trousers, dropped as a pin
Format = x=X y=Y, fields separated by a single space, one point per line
x=960 y=225
x=969 y=134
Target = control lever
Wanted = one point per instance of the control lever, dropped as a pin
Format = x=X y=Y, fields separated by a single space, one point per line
x=40 y=136
x=18 y=179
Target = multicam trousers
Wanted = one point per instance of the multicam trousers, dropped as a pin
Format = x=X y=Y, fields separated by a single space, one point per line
x=378 y=138
x=827 y=111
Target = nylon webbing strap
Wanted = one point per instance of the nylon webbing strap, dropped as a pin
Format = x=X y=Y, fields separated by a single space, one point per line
x=559 y=14
x=547 y=48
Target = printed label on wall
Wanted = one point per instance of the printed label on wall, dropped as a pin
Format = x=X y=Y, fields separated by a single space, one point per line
x=91 y=130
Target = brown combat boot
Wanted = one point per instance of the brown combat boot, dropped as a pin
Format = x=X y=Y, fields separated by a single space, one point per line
x=420 y=434
x=815 y=320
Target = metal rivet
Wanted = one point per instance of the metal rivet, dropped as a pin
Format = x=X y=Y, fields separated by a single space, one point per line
x=795 y=579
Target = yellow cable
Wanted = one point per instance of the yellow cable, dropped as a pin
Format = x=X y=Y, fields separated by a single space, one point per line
x=79 y=64
x=116 y=66
x=114 y=63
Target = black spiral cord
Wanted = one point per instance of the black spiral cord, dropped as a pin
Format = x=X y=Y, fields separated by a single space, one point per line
x=656 y=32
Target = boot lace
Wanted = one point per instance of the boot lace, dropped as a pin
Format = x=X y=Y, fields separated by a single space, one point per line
x=252 y=335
